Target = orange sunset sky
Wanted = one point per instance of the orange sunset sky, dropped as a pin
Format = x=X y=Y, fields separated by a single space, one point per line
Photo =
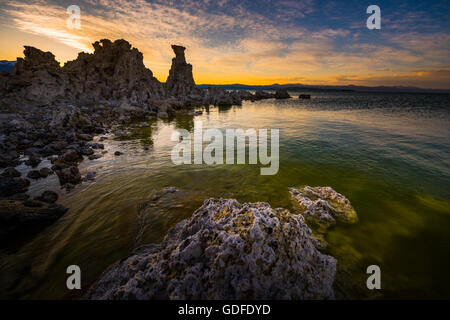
x=250 y=42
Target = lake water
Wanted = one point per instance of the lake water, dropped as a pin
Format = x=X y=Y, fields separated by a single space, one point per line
x=389 y=154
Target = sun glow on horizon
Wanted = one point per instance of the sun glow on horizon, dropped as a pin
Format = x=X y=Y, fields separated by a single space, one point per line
x=228 y=45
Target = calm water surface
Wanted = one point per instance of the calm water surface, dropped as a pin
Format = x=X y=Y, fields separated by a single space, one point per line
x=388 y=153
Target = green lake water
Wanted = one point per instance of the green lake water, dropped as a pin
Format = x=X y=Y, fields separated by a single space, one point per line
x=389 y=154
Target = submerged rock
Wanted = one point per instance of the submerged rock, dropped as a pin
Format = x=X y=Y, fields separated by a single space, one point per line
x=226 y=250
x=70 y=156
x=90 y=176
x=48 y=196
x=16 y=215
x=70 y=175
x=33 y=161
x=323 y=205
x=45 y=172
x=95 y=156
x=34 y=174
x=11 y=186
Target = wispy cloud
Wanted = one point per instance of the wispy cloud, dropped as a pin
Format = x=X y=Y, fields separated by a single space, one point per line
x=240 y=41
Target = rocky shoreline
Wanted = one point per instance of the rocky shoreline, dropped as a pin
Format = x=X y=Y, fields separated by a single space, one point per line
x=53 y=112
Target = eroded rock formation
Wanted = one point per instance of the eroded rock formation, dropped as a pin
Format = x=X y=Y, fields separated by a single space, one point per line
x=180 y=82
x=115 y=71
x=115 y=74
x=36 y=79
x=226 y=250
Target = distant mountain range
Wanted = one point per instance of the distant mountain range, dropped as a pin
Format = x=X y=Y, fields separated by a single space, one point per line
x=304 y=87
x=6 y=65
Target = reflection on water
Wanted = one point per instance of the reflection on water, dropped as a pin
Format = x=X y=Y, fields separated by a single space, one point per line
x=389 y=154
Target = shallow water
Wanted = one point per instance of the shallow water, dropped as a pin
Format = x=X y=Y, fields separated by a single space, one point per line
x=388 y=153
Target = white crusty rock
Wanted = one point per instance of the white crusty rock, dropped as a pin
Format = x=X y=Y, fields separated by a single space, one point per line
x=323 y=206
x=226 y=250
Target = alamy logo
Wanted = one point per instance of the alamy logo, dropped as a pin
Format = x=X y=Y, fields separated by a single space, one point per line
x=374 y=281
x=374 y=21
x=74 y=280
x=235 y=140
x=74 y=21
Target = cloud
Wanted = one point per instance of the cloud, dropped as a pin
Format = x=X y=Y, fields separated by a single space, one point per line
x=240 y=41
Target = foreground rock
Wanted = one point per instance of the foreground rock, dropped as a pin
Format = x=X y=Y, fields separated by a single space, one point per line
x=226 y=250
x=322 y=206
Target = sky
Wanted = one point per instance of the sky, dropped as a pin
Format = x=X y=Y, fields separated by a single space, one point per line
x=250 y=41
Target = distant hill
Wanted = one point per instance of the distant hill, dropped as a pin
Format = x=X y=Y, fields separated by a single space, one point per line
x=6 y=66
x=303 y=87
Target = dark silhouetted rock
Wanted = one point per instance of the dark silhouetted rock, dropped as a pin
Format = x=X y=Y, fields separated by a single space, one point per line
x=90 y=176
x=34 y=174
x=180 y=82
x=282 y=94
x=45 y=172
x=260 y=94
x=95 y=156
x=70 y=156
x=11 y=186
x=11 y=172
x=33 y=161
x=35 y=79
x=114 y=71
